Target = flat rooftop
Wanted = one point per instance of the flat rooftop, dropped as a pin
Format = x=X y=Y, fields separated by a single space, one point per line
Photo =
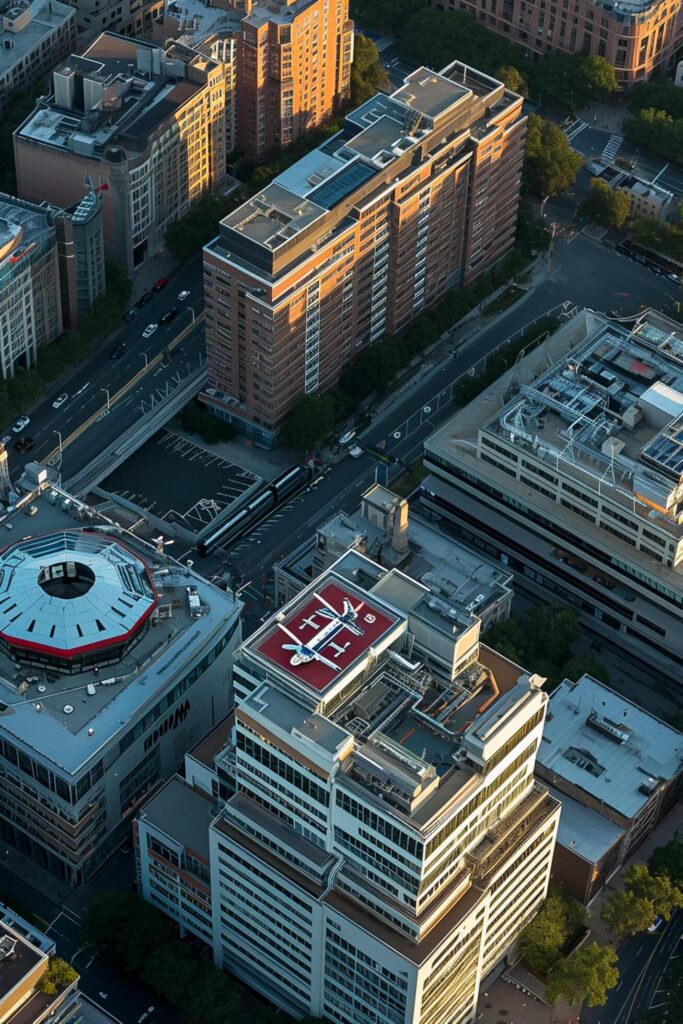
x=23 y=227
x=69 y=718
x=197 y=21
x=583 y=831
x=20 y=959
x=603 y=744
x=46 y=17
x=184 y=814
x=339 y=623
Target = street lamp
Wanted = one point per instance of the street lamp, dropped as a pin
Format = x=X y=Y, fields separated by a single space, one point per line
x=106 y=392
x=190 y=310
x=59 y=435
x=543 y=206
x=144 y=356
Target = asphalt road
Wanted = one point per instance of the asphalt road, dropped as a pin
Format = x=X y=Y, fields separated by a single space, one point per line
x=642 y=961
x=583 y=272
x=592 y=142
x=88 y=385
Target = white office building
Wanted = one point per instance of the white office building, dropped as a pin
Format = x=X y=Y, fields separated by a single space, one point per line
x=385 y=841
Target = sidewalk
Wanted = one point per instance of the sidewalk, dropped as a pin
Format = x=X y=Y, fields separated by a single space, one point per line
x=504 y=1003
x=161 y=265
x=605 y=115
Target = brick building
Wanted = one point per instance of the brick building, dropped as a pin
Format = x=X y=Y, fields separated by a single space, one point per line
x=33 y=38
x=636 y=36
x=417 y=193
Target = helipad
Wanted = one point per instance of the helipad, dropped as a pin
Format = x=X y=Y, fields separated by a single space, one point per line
x=72 y=598
x=319 y=640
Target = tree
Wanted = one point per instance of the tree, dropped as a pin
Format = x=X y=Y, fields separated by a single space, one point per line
x=626 y=914
x=513 y=79
x=384 y=15
x=172 y=971
x=125 y=929
x=310 y=421
x=656 y=130
x=58 y=976
x=566 y=80
x=550 y=165
x=606 y=205
x=558 y=921
x=657 y=95
x=579 y=664
x=368 y=74
x=663 y=895
x=668 y=860
x=187 y=236
x=195 y=419
x=597 y=78
x=214 y=999
x=586 y=975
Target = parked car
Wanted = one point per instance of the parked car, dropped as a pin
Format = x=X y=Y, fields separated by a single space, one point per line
x=160 y=284
x=347 y=437
x=148 y=1013
x=23 y=444
x=144 y=299
x=32 y=510
x=149 y=330
x=655 y=924
x=169 y=315
x=117 y=352
x=182 y=296
x=131 y=312
x=20 y=423
x=6 y=439
x=60 y=401
x=356 y=451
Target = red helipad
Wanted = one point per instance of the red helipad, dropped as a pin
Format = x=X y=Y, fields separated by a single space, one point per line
x=323 y=637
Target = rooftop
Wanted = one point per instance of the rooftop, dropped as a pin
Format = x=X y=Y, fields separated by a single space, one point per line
x=603 y=744
x=134 y=88
x=68 y=718
x=23 y=227
x=184 y=814
x=18 y=40
x=18 y=958
x=196 y=20
x=582 y=830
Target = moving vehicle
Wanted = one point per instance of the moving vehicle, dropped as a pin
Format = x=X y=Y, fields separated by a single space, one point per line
x=182 y=296
x=23 y=444
x=60 y=401
x=6 y=439
x=348 y=436
x=282 y=487
x=160 y=284
x=356 y=451
x=656 y=924
x=117 y=352
x=171 y=314
x=32 y=510
x=149 y=330
x=83 y=387
x=148 y=1013
x=144 y=299
x=130 y=313
x=20 y=423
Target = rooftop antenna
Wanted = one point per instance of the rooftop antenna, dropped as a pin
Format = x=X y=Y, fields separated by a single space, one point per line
x=160 y=543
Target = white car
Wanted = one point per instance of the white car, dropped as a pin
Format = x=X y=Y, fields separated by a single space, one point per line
x=20 y=424
x=6 y=439
x=149 y=330
x=355 y=452
x=182 y=296
x=60 y=401
x=348 y=436
x=148 y=1013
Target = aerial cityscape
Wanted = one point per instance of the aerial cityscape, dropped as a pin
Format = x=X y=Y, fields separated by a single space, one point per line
x=341 y=486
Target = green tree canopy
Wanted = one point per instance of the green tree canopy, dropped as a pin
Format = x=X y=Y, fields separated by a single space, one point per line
x=657 y=95
x=171 y=971
x=436 y=38
x=214 y=1000
x=568 y=80
x=656 y=130
x=368 y=74
x=310 y=421
x=384 y=15
x=513 y=79
x=587 y=975
x=125 y=929
x=58 y=976
x=558 y=921
x=606 y=206
x=550 y=164
x=626 y=914
x=663 y=894
x=668 y=860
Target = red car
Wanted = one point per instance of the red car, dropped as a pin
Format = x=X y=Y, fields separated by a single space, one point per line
x=160 y=284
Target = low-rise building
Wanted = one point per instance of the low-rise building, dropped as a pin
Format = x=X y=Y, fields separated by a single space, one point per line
x=377 y=840
x=34 y=36
x=568 y=469
x=114 y=659
x=646 y=199
x=615 y=768
x=30 y=306
x=144 y=125
x=24 y=959
x=384 y=530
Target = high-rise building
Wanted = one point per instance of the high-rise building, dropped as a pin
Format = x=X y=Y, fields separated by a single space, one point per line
x=34 y=36
x=144 y=125
x=293 y=69
x=30 y=307
x=80 y=251
x=576 y=481
x=637 y=38
x=417 y=193
x=385 y=841
x=114 y=659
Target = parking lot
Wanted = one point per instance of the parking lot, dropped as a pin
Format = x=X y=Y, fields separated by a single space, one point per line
x=178 y=481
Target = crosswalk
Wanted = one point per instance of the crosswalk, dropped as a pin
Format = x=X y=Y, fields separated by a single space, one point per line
x=612 y=148
x=574 y=128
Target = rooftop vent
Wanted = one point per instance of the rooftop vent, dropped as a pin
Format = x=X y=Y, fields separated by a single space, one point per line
x=607 y=727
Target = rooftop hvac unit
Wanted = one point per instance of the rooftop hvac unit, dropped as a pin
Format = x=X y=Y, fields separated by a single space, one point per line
x=607 y=727
x=648 y=786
